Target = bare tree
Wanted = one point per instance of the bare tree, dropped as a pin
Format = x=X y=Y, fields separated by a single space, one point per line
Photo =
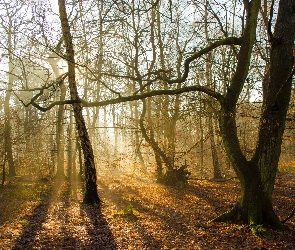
x=91 y=195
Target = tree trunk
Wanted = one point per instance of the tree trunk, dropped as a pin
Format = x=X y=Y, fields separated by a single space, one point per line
x=138 y=153
x=159 y=153
x=257 y=176
x=215 y=161
x=254 y=206
x=8 y=144
x=78 y=146
x=201 y=157
x=3 y=169
x=60 y=136
x=70 y=146
x=90 y=195
x=137 y=142
x=7 y=124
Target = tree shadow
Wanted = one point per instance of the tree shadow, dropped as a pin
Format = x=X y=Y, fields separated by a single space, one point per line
x=218 y=195
x=56 y=223
x=284 y=196
x=100 y=235
x=148 y=240
x=170 y=218
x=33 y=223
x=67 y=239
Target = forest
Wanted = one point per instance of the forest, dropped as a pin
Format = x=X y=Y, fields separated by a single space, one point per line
x=158 y=124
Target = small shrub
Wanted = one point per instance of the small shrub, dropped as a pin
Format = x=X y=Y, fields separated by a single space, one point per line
x=128 y=212
x=177 y=176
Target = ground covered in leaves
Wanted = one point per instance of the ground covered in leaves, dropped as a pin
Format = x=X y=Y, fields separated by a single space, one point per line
x=135 y=214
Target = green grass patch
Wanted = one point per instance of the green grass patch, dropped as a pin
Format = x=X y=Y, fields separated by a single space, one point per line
x=128 y=211
x=16 y=197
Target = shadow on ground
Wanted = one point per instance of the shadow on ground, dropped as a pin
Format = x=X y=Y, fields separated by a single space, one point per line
x=61 y=221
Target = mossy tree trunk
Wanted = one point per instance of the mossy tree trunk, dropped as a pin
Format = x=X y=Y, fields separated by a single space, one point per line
x=257 y=176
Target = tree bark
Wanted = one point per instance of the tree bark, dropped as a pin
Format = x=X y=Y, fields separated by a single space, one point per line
x=137 y=142
x=216 y=167
x=60 y=137
x=7 y=123
x=8 y=141
x=257 y=176
x=90 y=195
x=3 y=169
x=60 y=141
x=70 y=146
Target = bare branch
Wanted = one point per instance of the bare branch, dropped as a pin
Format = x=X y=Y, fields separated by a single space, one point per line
x=270 y=36
x=59 y=81
x=196 y=55
x=206 y=90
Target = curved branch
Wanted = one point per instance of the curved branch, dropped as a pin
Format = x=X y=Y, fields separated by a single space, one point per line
x=206 y=90
x=44 y=109
x=57 y=83
x=196 y=55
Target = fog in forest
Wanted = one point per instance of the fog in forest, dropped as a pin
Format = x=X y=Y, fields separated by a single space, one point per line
x=170 y=93
x=135 y=47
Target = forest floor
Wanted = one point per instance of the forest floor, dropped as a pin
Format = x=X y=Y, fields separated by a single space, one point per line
x=135 y=214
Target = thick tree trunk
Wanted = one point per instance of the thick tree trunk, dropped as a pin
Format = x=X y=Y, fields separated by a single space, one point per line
x=257 y=176
x=90 y=195
x=254 y=206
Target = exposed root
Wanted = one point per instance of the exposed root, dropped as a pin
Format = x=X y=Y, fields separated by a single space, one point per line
x=233 y=214
x=289 y=217
x=254 y=218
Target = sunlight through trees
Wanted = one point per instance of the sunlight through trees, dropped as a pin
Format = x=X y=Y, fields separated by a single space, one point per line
x=165 y=91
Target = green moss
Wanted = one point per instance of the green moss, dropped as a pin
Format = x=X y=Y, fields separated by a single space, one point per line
x=259 y=230
x=25 y=223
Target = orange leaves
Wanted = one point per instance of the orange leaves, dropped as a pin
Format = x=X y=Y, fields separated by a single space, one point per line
x=171 y=218
x=165 y=218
